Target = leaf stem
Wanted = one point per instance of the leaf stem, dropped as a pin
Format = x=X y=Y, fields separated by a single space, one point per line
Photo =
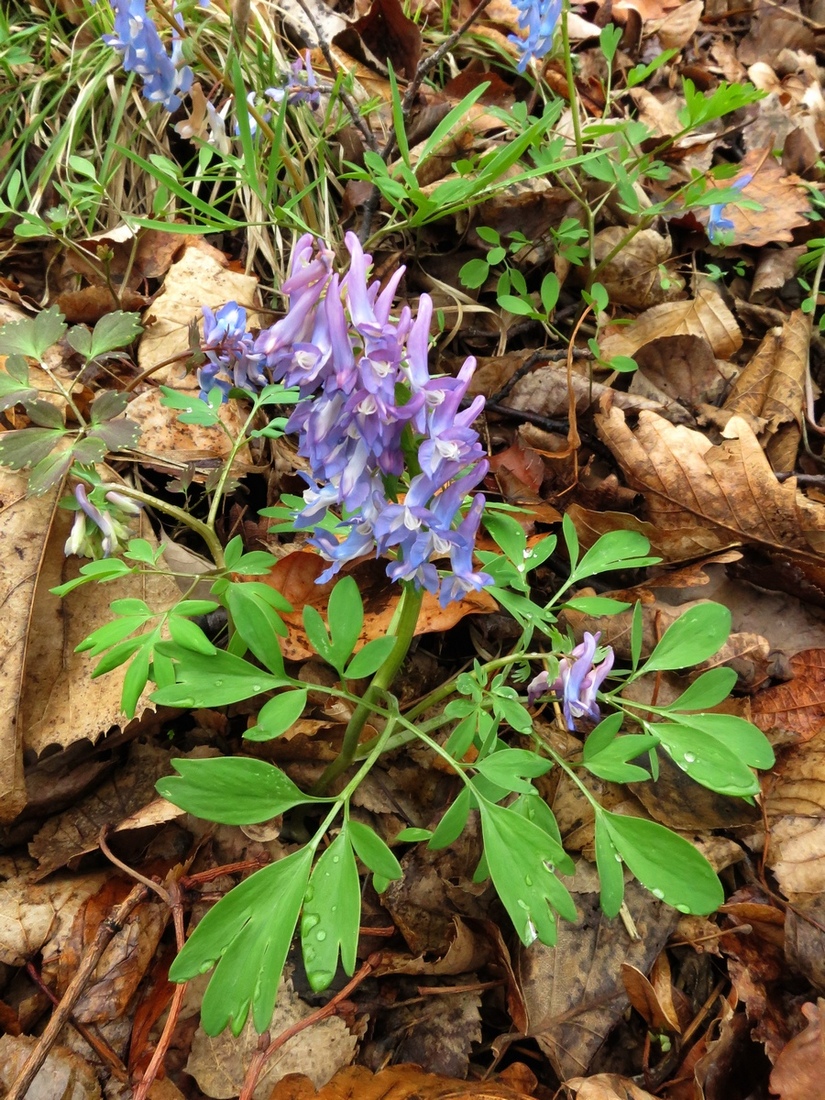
x=403 y=627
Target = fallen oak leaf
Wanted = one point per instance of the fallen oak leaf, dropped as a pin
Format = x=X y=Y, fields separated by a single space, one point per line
x=703 y=497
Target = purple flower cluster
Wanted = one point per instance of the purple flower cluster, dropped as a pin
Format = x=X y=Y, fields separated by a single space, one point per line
x=577 y=682
x=137 y=38
x=229 y=351
x=539 y=18
x=718 y=225
x=103 y=530
x=300 y=87
x=388 y=446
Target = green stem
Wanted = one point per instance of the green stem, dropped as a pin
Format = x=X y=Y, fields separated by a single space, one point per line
x=571 y=79
x=403 y=627
x=205 y=532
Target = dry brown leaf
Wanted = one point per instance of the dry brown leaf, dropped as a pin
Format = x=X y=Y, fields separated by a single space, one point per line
x=193 y=449
x=774 y=267
x=606 y=1086
x=653 y=998
x=799 y=704
x=706 y=315
x=544 y=392
x=574 y=992
x=682 y=367
x=636 y=275
x=800 y=1067
x=647 y=9
x=200 y=277
x=702 y=498
x=772 y=387
x=408 y=1083
x=32 y=913
x=219 y=1062
x=783 y=198
x=65 y=1074
x=294 y=576
x=676 y=28
x=25 y=523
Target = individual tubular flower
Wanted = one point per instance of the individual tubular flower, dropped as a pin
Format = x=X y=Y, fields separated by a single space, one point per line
x=577 y=683
x=100 y=531
x=718 y=225
x=539 y=19
x=137 y=38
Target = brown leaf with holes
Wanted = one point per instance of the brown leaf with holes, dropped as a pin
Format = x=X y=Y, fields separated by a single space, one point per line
x=702 y=498
x=772 y=387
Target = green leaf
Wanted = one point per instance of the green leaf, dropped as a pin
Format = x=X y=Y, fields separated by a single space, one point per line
x=571 y=540
x=332 y=914
x=706 y=760
x=695 y=636
x=742 y=737
x=474 y=273
x=248 y=937
x=233 y=790
x=135 y=680
x=667 y=864
x=637 y=628
x=141 y=550
x=110 y=634
x=611 y=762
x=49 y=472
x=509 y=767
x=451 y=825
x=596 y=605
x=373 y=852
x=278 y=715
x=28 y=446
x=706 y=690
x=509 y=534
x=257 y=623
x=603 y=735
x=533 y=807
x=609 y=866
x=550 y=290
x=33 y=337
x=44 y=414
x=189 y=635
x=412 y=835
x=213 y=681
x=615 y=550
x=518 y=853
x=108 y=404
x=516 y=306
x=114 y=330
x=623 y=364
x=345 y=614
x=192 y=409
x=370 y=658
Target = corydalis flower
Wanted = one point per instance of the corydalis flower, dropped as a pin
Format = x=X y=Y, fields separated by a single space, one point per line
x=718 y=225
x=577 y=683
x=137 y=38
x=300 y=87
x=387 y=445
x=230 y=352
x=539 y=19
x=97 y=531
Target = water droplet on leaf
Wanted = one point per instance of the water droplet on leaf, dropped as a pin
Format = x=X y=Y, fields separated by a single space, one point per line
x=320 y=936
x=657 y=893
x=319 y=979
x=690 y=758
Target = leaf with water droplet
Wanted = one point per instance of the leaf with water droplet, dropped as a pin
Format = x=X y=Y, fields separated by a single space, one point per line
x=611 y=872
x=248 y=937
x=332 y=913
x=667 y=864
x=708 y=760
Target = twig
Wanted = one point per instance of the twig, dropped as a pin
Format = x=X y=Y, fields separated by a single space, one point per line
x=98 y=1045
x=107 y=928
x=260 y=1057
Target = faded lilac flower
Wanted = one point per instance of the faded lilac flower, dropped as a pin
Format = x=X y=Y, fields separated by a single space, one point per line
x=300 y=87
x=577 y=683
x=540 y=19
x=718 y=225
x=100 y=531
x=137 y=38
x=231 y=357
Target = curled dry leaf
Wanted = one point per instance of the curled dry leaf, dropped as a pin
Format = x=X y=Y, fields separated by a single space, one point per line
x=706 y=315
x=772 y=387
x=702 y=498
x=606 y=1086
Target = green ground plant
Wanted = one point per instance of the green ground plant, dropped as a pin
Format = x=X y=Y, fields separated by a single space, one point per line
x=398 y=485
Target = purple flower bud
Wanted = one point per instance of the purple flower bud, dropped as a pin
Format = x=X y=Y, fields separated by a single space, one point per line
x=579 y=680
